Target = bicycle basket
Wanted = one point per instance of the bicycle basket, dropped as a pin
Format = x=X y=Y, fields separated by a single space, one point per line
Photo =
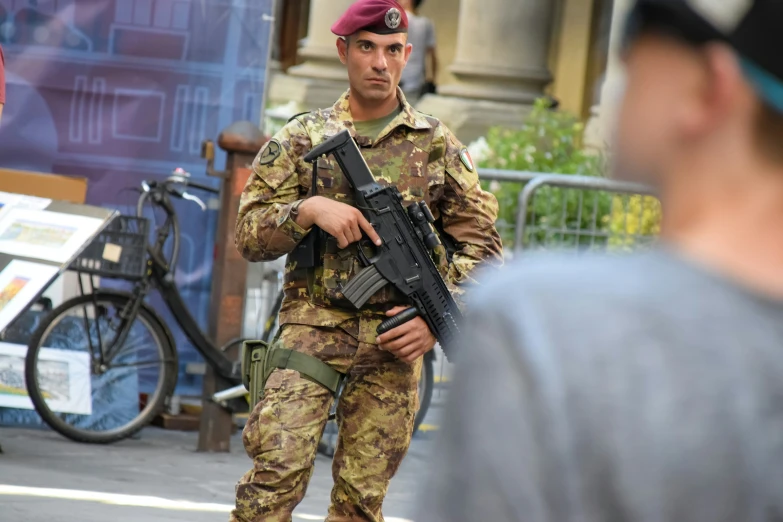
x=119 y=252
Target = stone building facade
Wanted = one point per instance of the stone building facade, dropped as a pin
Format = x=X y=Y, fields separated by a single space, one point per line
x=495 y=58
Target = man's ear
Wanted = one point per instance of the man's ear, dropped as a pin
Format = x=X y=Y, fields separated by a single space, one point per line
x=721 y=89
x=342 y=49
x=408 y=49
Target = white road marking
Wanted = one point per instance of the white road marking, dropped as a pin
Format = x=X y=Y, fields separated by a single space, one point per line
x=137 y=500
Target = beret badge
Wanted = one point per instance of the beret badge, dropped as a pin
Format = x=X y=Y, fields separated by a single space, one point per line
x=393 y=18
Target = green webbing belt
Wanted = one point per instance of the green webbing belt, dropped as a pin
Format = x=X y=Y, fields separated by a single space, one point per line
x=275 y=357
x=308 y=366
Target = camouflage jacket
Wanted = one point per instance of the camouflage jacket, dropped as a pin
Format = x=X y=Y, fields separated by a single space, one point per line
x=416 y=153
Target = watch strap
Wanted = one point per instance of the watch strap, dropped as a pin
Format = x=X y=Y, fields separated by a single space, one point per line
x=294 y=212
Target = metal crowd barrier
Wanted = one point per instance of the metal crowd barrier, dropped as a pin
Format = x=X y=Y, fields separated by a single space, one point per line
x=585 y=213
x=513 y=176
x=505 y=227
x=579 y=213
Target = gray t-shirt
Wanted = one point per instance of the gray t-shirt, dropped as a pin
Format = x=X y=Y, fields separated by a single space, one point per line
x=421 y=34
x=640 y=388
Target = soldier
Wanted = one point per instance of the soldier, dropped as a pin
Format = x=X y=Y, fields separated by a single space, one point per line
x=278 y=213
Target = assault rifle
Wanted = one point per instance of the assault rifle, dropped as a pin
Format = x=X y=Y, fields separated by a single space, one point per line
x=403 y=259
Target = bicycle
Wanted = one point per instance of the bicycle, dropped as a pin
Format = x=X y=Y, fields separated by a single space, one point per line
x=133 y=373
x=124 y=392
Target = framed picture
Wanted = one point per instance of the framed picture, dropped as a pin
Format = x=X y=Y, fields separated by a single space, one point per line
x=20 y=282
x=40 y=234
x=9 y=200
x=64 y=374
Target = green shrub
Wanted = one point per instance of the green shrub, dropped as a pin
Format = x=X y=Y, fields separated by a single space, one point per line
x=549 y=142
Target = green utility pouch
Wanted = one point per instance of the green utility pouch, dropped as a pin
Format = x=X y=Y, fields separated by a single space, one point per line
x=253 y=357
x=259 y=360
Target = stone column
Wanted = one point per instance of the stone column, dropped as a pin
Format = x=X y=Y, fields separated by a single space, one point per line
x=574 y=45
x=500 y=65
x=321 y=79
x=600 y=128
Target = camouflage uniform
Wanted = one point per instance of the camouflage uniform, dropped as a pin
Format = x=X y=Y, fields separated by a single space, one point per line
x=376 y=411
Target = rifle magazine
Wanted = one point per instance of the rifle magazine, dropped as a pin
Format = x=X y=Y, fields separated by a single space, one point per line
x=363 y=286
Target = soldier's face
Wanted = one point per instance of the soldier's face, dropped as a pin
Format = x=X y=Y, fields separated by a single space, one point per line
x=374 y=62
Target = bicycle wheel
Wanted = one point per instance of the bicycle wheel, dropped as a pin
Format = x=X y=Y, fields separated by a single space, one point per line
x=89 y=390
x=426 y=383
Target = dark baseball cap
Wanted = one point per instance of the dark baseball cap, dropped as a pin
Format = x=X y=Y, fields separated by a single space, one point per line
x=751 y=27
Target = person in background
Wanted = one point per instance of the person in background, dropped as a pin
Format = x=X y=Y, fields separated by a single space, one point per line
x=647 y=387
x=418 y=77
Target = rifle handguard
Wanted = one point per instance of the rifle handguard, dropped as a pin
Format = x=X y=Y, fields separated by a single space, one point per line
x=393 y=322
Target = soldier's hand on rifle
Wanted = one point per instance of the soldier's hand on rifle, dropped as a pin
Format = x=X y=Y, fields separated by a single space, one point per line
x=410 y=340
x=342 y=221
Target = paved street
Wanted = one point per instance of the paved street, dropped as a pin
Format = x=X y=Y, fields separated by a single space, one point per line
x=158 y=477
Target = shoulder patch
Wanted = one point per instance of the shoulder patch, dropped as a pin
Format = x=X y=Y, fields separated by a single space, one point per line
x=466 y=160
x=270 y=153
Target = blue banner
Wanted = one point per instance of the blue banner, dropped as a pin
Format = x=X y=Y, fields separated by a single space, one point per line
x=120 y=91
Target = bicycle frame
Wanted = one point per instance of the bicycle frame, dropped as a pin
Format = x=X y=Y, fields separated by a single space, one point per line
x=160 y=276
x=173 y=299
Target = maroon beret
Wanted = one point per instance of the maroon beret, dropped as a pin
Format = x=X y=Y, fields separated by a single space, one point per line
x=376 y=16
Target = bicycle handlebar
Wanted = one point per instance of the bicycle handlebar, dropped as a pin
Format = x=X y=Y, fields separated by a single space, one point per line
x=188 y=183
x=182 y=178
x=156 y=192
x=174 y=192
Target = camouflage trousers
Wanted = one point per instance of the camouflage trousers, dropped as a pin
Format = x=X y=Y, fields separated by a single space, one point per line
x=375 y=418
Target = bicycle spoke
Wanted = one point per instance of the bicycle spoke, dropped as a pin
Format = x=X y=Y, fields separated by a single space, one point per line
x=145 y=364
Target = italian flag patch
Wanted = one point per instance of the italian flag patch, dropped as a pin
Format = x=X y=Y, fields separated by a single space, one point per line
x=464 y=156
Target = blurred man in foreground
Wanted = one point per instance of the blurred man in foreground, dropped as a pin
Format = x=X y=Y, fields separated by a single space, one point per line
x=649 y=387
